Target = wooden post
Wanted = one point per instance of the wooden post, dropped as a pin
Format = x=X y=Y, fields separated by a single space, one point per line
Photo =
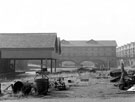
x=55 y=65
x=0 y=88
x=14 y=65
x=108 y=64
x=51 y=65
x=41 y=64
x=46 y=64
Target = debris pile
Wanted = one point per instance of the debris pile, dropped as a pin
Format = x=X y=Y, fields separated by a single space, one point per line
x=55 y=82
x=81 y=70
x=60 y=84
x=122 y=78
x=38 y=86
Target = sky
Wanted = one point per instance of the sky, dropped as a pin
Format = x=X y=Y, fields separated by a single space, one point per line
x=71 y=19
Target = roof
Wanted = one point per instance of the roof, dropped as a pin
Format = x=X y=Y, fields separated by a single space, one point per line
x=88 y=43
x=27 y=40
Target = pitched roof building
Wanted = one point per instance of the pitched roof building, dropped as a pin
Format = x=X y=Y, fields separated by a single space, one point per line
x=92 y=43
x=98 y=51
x=29 y=46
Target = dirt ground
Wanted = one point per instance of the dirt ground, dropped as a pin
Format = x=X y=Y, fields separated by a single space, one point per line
x=98 y=88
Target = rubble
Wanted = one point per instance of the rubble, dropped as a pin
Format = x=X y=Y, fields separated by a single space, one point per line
x=58 y=83
x=115 y=73
x=37 y=86
x=123 y=79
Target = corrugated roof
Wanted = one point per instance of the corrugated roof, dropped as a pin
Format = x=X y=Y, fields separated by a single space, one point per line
x=27 y=40
x=89 y=43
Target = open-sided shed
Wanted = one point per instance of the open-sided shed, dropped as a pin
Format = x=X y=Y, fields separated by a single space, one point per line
x=29 y=46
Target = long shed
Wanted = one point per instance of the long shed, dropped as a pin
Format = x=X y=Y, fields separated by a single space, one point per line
x=28 y=46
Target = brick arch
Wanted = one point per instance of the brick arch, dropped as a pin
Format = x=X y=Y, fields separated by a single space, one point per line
x=97 y=62
x=60 y=62
x=100 y=61
x=87 y=63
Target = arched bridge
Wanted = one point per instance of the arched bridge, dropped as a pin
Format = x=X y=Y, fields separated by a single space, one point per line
x=98 y=61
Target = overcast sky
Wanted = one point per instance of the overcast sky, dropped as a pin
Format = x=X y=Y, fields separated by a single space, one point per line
x=71 y=19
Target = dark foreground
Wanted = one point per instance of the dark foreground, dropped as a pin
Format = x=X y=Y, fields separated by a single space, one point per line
x=96 y=89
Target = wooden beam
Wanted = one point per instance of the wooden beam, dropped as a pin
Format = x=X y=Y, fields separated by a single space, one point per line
x=14 y=65
x=51 y=66
x=0 y=88
x=46 y=62
x=55 y=65
x=41 y=64
x=108 y=64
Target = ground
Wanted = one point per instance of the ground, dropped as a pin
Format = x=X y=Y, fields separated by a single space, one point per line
x=98 y=88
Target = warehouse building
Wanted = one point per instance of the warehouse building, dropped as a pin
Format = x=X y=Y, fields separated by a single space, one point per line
x=17 y=47
x=101 y=52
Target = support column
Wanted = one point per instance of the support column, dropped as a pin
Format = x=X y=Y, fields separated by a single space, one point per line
x=41 y=67
x=108 y=64
x=55 y=65
x=46 y=62
x=0 y=88
x=51 y=66
x=14 y=65
x=130 y=62
x=41 y=64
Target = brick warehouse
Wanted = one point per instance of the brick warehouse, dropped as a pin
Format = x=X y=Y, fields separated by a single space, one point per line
x=101 y=52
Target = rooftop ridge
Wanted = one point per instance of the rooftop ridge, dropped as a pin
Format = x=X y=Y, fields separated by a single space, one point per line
x=65 y=41
x=92 y=42
x=28 y=34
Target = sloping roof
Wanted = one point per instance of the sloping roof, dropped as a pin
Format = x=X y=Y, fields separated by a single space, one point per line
x=88 y=43
x=27 y=40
